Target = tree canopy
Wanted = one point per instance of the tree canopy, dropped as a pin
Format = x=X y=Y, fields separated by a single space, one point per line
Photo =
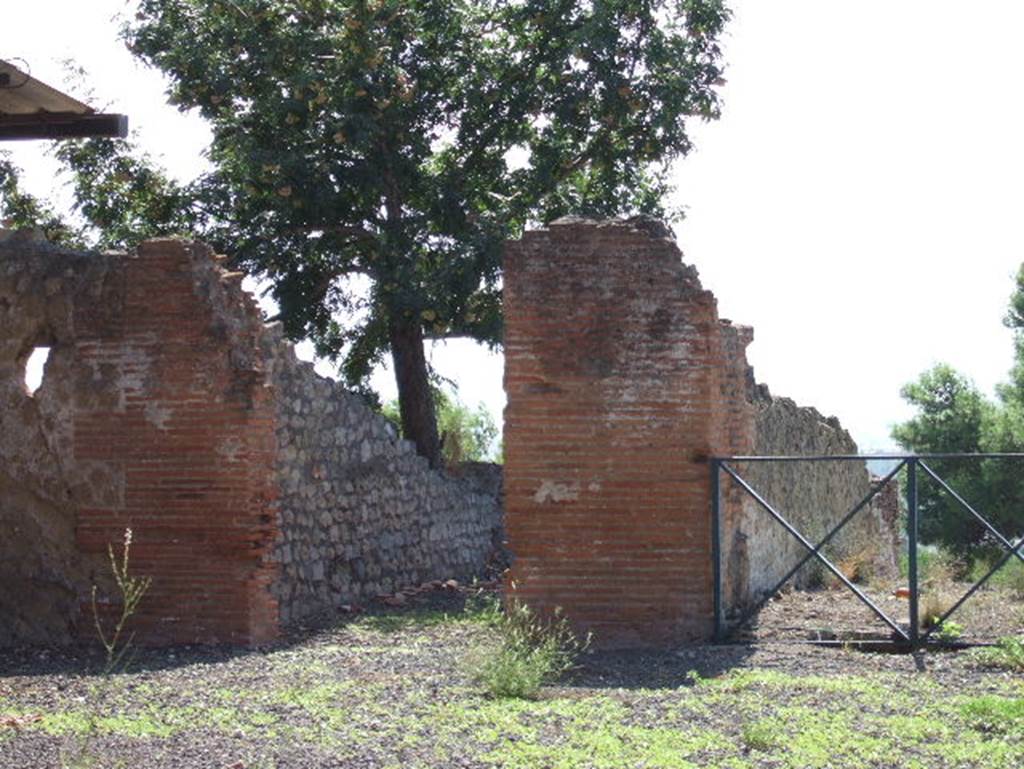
x=467 y=435
x=953 y=416
x=20 y=209
x=370 y=157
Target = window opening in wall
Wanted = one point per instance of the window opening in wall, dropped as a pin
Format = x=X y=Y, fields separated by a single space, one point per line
x=35 y=367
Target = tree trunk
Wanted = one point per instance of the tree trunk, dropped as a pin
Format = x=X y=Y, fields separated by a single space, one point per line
x=419 y=422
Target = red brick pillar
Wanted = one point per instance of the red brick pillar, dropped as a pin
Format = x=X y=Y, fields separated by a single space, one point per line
x=174 y=431
x=617 y=394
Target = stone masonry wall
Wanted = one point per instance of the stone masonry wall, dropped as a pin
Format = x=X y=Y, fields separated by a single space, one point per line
x=257 y=492
x=361 y=513
x=813 y=496
x=622 y=381
x=40 y=566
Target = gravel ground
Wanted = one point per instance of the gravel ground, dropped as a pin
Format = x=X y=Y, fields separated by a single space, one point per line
x=990 y=613
x=391 y=689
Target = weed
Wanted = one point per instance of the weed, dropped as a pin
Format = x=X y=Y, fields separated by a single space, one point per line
x=533 y=651
x=132 y=590
x=857 y=567
x=934 y=606
x=695 y=678
x=949 y=631
x=763 y=735
x=1008 y=653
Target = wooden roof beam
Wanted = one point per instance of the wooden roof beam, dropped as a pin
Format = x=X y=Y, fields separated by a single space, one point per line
x=62 y=125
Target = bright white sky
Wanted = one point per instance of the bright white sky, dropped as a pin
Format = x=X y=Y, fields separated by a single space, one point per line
x=859 y=203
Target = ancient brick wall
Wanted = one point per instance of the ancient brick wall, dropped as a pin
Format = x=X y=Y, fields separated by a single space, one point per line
x=184 y=426
x=622 y=381
x=152 y=415
x=613 y=371
x=257 y=492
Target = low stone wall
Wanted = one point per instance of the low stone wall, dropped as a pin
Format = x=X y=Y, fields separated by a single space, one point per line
x=813 y=496
x=361 y=513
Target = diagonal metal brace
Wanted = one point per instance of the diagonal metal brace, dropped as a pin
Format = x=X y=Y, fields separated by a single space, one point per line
x=814 y=553
x=1013 y=551
x=981 y=519
x=749 y=614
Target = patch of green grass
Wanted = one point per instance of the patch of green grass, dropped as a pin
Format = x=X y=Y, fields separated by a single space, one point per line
x=1009 y=576
x=593 y=731
x=995 y=714
x=821 y=735
x=154 y=721
x=875 y=689
x=1008 y=654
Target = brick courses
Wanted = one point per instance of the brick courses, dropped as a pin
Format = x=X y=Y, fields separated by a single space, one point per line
x=188 y=430
x=622 y=381
x=615 y=373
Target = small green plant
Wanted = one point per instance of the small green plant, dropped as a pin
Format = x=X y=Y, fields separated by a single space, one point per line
x=79 y=754
x=533 y=651
x=761 y=735
x=132 y=589
x=935 y=566
x=1008 y=653
x=949 y=631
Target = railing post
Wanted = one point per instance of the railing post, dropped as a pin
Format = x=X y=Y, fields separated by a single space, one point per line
x=716 y=547
x=912 y=548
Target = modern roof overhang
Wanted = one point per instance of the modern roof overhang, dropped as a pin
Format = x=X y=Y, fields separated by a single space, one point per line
x=30 y=109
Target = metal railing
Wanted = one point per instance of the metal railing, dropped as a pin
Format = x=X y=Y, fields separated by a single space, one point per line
x=912 y=463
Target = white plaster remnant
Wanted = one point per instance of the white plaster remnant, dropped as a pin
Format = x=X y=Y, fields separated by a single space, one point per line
x=552 y=491
x=157 y=415
x=230 y=448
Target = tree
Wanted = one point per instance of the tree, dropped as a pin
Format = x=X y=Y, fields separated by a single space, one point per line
x=124 y=198
x=467 y=435
x=20 y=209
x=398 y=143
x=954 y=417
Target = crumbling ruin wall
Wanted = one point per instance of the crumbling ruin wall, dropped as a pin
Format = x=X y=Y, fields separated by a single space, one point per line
x=253 y=487
x=622 y=381
x=40 y=566
x=151 y=415
x=362 y=514
x=613 y=367
x=813 y=496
